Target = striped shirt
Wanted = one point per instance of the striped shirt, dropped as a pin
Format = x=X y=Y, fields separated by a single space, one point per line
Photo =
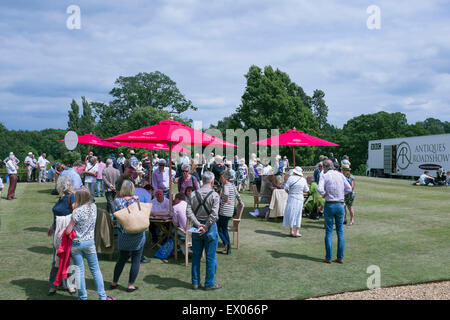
x=230 y=193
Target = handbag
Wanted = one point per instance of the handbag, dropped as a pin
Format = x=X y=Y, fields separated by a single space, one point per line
x=166 y=250
x=134 y=218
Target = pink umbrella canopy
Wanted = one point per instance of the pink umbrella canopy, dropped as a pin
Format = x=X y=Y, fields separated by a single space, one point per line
x=92 y=139
x=295 y=138
x=170 y=131
x=151 y=146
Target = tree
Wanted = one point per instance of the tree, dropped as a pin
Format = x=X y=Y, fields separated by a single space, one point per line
x=87 y=121
x=74 y=117
x=272 y=101
x=320 y=108
x=139 y=101
x=153 y=89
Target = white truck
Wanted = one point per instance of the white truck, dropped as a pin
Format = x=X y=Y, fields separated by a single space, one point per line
x=409 y=157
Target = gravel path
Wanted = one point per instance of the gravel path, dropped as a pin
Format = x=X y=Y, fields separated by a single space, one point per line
x=427 y=291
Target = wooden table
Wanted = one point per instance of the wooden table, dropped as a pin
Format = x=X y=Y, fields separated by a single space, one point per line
x=166 y=227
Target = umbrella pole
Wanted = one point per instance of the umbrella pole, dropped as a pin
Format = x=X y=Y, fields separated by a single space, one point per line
x=170 y=175
x=293 y=154
x=150 y=168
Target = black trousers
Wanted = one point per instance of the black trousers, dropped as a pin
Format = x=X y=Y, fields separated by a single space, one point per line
x=135 y=264
x=110 y=196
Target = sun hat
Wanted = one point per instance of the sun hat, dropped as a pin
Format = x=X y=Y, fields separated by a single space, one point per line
x=346 y=167
x=268 y=172
x=121 y=154
x=218 y=159
x=30 y=153
x=131 y=151
x=298 y=171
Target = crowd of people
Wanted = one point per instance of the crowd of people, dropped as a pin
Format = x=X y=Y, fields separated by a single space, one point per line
x=207 y=193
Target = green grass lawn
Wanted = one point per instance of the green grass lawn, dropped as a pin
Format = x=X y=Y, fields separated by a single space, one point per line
x=403 y=229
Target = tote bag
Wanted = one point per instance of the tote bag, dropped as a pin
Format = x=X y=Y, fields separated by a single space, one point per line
x=134 y=218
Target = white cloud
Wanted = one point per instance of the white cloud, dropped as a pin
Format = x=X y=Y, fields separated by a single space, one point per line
x=208 y=46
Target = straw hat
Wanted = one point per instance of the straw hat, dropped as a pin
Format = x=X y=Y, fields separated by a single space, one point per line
x=346 y=167
x=298 y=171
x=218 y=159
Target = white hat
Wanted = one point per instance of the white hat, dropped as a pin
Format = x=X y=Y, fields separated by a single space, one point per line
x=11 y=153
x=298 y=171
x=218 y=159
x=131 y=151
x=30 y=153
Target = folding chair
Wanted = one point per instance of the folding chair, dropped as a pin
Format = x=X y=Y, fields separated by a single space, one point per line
x=235 y=228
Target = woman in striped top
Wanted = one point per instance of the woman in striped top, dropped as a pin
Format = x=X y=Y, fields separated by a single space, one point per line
x=226 y=210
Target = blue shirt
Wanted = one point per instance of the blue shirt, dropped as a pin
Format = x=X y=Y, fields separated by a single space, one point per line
x=143 y=195
x=62 y=208
x=74 y=176
x=134 y=161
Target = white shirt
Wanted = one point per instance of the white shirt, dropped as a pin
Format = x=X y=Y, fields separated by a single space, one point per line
x=43 y=162
x=11 y=167
x=158 y=206
x=333 y=185
x=422 y=178
x=184 y=160
x=91 y=168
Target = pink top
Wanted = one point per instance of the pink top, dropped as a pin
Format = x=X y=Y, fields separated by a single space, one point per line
x=101 y=166
x=179 y=215
x=80 y=169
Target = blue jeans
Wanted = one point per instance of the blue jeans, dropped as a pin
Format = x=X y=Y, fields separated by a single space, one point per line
x=222 y=226
x=86 y=249
x=100 y=188
x=209 y=242
x=334 y=212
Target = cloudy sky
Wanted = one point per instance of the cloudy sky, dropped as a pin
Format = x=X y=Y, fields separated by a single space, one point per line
x=206 y=47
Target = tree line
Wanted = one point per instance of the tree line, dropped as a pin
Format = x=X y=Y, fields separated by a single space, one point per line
x=270 y=100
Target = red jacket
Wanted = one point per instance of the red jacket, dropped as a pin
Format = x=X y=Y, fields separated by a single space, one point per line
x=64 y=257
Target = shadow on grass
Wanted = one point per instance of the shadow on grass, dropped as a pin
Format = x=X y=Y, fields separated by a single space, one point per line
x=37 y=290
x=166 y=283
x=46 y=191
x=36 y=229
x=41 y=250
x=276 y=254
x=274 y=233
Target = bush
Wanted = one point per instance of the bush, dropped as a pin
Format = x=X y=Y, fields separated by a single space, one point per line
x=70 y=157
x=361 y=170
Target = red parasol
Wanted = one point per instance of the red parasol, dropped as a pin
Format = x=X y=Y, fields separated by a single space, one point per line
x=171 y=132
x=151 y=146
x=295 y=138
